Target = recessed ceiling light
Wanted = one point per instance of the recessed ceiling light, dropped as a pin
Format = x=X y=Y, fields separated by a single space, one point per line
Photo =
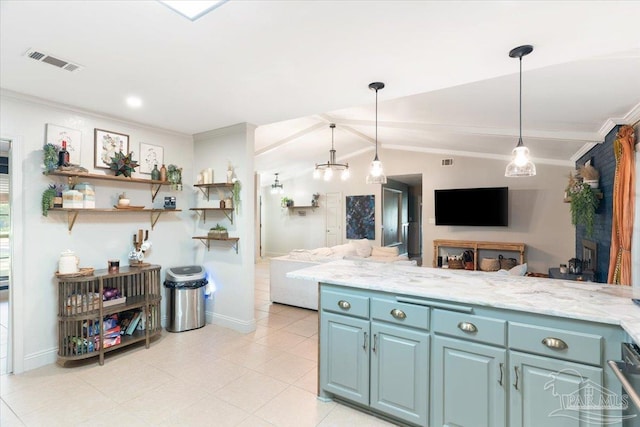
x=134 y=102
x=193 y=9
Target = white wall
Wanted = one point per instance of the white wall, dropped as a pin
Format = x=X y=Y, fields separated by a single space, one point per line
x=95 y=237
x=537 y=215
x=231 y=273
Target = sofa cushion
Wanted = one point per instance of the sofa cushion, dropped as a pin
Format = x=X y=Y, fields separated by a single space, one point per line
x=384 y=251
x=362 y=246
x=341 y=251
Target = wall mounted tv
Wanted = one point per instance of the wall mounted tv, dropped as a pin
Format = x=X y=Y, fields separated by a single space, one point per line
x=487 y=207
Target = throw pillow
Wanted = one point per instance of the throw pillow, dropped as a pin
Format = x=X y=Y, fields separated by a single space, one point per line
x=362 y=246
x=341 y=251
x=519 y=270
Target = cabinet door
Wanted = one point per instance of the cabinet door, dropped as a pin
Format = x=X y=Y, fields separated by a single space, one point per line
x=344 y=357
x=554 y=393
x=399 y=372
x=469 y=384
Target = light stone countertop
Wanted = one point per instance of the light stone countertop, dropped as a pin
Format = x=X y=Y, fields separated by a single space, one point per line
x=578 y=300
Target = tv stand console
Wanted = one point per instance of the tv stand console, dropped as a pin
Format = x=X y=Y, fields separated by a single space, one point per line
x=477 y=246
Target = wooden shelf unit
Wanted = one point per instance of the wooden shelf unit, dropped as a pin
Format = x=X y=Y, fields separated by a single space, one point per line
x=206 y=187
x=140 y=285
x=206 y=240
x=477 y=246
x=72 y=214
x=228 y=212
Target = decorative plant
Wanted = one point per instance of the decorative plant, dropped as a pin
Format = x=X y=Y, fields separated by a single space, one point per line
x=174 y=175
x=123 y=164
x=219 y=227
x=286 y=202
x=583 y=206
x=589 y=173
x=47 y=199
x=236 y=195
x=314 y=200
x=50 y=157
x=218 y=232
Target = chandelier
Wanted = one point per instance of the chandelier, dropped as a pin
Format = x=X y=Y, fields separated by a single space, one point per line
x=276 y=187
x=325 y=170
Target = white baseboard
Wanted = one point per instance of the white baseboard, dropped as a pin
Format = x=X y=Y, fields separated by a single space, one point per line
x=40 y=358
x=230 y=322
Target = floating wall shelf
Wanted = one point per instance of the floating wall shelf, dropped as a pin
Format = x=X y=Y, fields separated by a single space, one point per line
x=205 y=188
x=228 y=212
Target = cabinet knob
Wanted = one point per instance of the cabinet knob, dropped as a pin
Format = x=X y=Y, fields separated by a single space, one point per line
x=345 y=305
x=467 y=327
x=555 y=343
x=398 y=314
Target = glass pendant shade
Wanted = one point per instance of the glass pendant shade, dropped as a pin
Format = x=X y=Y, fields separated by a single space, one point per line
x=520 y=164
x=325 y=170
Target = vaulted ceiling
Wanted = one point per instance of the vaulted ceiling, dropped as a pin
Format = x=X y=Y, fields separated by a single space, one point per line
x=293 y=67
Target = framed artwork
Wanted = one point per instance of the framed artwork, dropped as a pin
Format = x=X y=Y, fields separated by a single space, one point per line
x=150 y=155
x=73 y=137
x=361 y=217
x=107 y=144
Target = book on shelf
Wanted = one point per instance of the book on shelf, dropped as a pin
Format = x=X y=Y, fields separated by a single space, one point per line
x=133 y=323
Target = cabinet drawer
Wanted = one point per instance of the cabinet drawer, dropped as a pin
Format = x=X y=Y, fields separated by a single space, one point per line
x=558 y=343
x=470 y=327
x=345 y=303
x=399 y=313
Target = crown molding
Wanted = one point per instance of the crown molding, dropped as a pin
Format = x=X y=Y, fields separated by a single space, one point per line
x=632 y=117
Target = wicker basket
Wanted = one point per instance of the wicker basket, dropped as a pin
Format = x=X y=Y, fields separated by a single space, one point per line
x=490 y=264
x=507 y=263
x=455 y=264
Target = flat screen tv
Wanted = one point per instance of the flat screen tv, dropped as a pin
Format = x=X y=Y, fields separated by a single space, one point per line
x=487 y=207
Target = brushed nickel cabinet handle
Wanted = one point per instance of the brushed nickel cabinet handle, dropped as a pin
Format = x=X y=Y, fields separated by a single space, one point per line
x=515 y=385
x=398 y=314
x=555 y=343
x=366 y=340
x=345 y=305
x=501 y=373
x=467 y=327
x=375 y=342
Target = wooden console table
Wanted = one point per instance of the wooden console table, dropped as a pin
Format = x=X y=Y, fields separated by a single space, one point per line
x=477 y=246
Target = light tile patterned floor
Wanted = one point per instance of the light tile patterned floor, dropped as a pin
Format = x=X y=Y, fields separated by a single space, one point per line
x=207 y=377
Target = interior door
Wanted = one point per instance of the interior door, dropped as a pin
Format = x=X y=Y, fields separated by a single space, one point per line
x=333 y=221
x=391 y=217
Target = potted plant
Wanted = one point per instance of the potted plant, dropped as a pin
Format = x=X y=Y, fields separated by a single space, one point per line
x=48 y=196
x=174 y=175
x=314 y=200
x=583 y=206
x=218 y=232
x=50 y=157
x=286 y=202
x=590 y=175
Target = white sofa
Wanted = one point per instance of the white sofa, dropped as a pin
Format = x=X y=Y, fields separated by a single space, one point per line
x=304 y=293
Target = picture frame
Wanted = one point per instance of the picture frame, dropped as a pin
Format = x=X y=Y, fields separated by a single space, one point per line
x=55 y=134
x=150 y=155
x=360 y=212
x=107 y=144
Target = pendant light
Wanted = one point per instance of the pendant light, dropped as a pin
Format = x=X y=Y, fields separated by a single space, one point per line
x=521 y=164
x=276 y=187
x=376 y=173
x=325 y=170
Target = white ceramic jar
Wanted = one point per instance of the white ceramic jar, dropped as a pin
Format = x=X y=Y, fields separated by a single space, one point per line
x=68 y=262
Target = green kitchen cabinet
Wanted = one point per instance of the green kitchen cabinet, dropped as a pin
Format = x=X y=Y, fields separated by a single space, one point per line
x=399 y=372
x=469 y=384
x=554 y=393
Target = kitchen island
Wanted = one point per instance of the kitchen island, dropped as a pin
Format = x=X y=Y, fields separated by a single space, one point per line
x=427 y=346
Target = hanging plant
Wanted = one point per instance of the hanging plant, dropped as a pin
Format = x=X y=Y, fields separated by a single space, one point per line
x=584 y=204
x=236 y=195
x=47 y=199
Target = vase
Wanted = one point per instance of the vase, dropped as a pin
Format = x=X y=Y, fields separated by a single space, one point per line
x=163 y=173
x=155 y=173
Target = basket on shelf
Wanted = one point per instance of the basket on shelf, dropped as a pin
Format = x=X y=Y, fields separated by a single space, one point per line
x=507 y=263
x=490 y=264
x=455 y=264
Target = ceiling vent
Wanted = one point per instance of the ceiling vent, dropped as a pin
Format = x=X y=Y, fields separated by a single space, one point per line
x=447 y=162
x=52 y=60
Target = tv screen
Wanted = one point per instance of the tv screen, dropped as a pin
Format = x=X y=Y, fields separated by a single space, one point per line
x=473 y=206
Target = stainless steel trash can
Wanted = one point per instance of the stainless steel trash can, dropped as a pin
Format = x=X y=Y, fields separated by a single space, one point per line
x=185 y=298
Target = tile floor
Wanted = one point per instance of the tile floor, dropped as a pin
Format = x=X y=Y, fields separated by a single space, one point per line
x=207 y=377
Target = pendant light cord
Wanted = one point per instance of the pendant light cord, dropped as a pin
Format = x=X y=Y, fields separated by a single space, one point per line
x=376 y=124
x=520 y=140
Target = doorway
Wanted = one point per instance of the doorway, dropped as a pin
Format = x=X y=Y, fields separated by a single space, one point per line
x=5 y=253
x=402 y=214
